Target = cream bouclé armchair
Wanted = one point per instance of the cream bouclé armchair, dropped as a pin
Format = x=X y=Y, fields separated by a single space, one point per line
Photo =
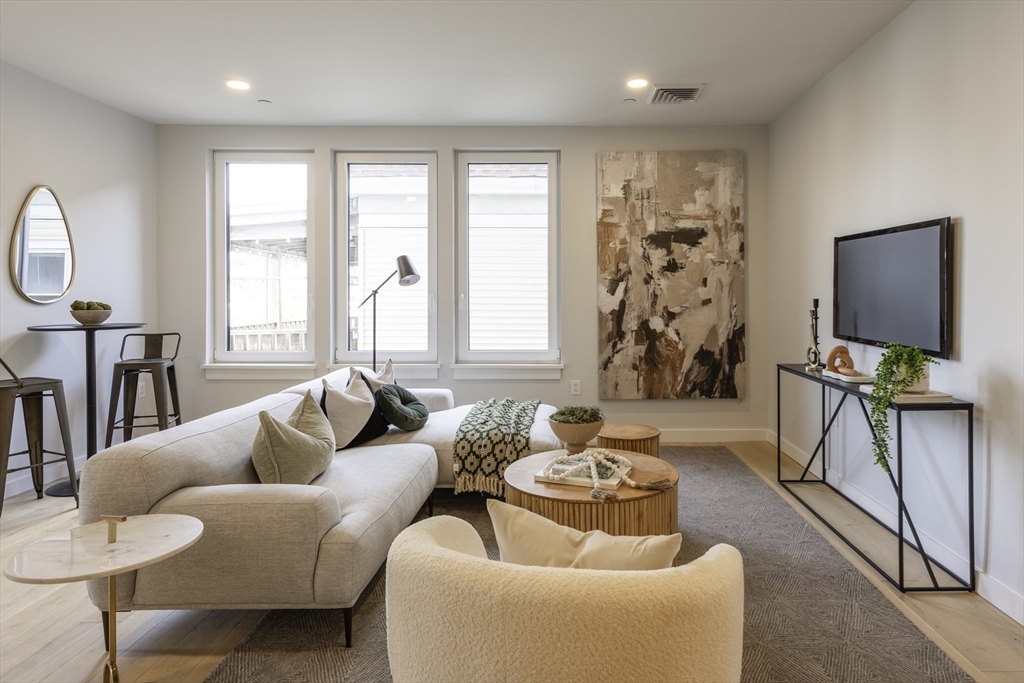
x=454 y=615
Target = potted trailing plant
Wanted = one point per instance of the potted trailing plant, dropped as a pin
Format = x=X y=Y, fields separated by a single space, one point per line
x=900 y=369
x=576 y=425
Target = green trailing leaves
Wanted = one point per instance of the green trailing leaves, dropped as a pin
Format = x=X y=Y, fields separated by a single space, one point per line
x=900 y=368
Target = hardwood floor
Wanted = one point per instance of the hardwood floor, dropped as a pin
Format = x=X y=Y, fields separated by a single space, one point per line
x=53 y=633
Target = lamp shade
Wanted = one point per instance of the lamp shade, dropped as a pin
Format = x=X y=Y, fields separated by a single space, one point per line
x=407 y=274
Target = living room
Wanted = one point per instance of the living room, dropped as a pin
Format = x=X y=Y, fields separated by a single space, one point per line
x=850 y=117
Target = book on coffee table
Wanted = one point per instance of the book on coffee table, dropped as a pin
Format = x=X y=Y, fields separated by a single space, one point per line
x=607 y=477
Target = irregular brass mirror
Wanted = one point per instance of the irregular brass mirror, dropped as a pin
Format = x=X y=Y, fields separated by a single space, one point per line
x=42 y=252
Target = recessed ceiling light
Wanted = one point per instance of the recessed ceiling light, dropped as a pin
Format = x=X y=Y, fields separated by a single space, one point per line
x=637 y=83
x=263 y=101
x=238 y=85
x=630 y=100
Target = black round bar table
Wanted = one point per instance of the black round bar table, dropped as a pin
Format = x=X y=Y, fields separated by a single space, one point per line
x=63 y=489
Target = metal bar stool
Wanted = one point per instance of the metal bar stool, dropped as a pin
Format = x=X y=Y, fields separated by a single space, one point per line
x=31 y=391
x=165 y=381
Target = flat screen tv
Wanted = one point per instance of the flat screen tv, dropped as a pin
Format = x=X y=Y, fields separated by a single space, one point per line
x=896 y=285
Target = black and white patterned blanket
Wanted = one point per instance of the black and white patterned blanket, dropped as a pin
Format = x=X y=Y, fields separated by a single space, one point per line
x=493 y=435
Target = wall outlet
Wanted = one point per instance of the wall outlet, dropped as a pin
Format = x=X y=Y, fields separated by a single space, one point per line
x=142 y=387
x=574 y=388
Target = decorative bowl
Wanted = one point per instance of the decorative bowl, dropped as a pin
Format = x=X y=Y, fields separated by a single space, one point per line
x=576 y=436
x=91 y=317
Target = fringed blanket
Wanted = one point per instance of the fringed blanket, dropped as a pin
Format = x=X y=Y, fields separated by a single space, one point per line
x=493 y=435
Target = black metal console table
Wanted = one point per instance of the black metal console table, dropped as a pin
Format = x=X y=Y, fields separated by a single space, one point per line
x=848 y=390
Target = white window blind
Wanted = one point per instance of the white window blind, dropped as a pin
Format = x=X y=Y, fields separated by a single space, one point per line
x=508 y=265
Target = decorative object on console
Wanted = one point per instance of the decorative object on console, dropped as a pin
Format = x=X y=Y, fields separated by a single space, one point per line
x=813 y=352
x=42 y=258
x=527 y=538
x=492 y=436
x=576 y=425
x=296 y=451
x=407 y=275
x=898 y=371
x=401 y=408
x=90 y=312
x=839 y=365
x=671 y=275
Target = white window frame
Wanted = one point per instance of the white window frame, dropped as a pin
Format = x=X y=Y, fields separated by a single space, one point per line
x=464 y=355
x=221 y=354
x=342 y=354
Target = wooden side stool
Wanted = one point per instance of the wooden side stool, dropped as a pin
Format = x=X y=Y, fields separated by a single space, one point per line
x=630 y=437
x=32 y=391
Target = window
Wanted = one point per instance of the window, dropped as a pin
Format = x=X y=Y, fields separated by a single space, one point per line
x=263 y=278
x=507 y=219
x=385 y=210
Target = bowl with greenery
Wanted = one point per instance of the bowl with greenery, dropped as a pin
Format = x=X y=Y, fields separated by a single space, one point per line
x=90 y=312
x=902 y=369
x=576 y=425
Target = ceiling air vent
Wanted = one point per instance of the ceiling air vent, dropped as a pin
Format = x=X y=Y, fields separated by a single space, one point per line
x=674 y=94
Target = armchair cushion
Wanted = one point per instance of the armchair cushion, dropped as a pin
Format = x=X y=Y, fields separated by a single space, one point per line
x=525 y=537
x=295 y=451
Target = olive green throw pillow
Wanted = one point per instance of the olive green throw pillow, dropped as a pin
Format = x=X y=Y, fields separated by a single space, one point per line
x=401 y=407
x=296 y=451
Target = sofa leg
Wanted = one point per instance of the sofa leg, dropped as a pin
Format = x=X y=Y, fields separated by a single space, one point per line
x=106 y=630
x=348 y=626
x=430 y=504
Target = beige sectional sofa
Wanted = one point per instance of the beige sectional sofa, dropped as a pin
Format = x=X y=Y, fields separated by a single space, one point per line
x=268 y=546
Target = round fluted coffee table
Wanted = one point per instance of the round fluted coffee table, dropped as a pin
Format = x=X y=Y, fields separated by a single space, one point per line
x=637 y=512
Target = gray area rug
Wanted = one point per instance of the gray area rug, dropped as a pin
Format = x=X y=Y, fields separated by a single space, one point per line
x=810 y=616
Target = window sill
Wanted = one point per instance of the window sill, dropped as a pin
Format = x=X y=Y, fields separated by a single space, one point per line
x=402 y=370
x=259 y=371
x=507 y=370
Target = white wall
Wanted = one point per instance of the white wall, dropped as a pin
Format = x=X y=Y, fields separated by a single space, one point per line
x=923 y=121
x=184 y=165
x=101 y=163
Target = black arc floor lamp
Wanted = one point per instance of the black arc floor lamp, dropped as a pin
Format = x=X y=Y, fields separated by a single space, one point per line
x=407 y=275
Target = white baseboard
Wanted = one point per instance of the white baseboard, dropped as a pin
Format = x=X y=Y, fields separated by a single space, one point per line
x=669 y=436
x=19 y=482
x=1000 y=595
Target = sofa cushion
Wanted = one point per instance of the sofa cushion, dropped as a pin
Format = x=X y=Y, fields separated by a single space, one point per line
x=379 y=490
x=348 y=409
x=376 y=424
x=401 y=407
x=525 y=537
x=439 y=433
x=294 y=451
x=386 y=375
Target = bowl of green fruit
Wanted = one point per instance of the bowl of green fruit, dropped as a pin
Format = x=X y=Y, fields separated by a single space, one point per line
x=90 y=312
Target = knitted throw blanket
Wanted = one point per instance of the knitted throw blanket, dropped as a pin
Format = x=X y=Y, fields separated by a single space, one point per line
x=493 y=435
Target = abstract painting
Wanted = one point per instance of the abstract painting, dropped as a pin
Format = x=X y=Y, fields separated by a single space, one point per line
x=670 y=267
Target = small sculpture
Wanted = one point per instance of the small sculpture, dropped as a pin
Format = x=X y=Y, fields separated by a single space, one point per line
x=839 y=360
x=813 y=353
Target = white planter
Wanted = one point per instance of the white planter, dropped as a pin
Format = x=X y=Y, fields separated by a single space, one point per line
x=921 y=386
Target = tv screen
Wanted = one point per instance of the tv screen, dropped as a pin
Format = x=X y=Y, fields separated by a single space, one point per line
x=896 y=285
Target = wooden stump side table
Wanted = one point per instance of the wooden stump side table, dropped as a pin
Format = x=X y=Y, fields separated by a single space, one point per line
x=631 y=437
x=637 y=512
x=105 y=549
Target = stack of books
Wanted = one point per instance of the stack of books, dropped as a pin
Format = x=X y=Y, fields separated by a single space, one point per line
x=922 y=397
x=607 y=477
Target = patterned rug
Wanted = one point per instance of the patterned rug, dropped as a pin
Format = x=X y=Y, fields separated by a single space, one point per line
x=810 y=616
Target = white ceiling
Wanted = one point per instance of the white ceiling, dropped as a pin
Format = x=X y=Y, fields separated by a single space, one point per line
x=513 y=62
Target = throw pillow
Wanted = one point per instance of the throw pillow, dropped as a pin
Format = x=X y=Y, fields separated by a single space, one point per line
x=386 y=375
x=296 y=451
x=376 y=425
x=527 y=538
x=348 y=410
x=401 y=407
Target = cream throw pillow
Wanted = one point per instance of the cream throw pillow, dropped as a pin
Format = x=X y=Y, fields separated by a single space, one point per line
x=386 y=375
x=348 y=410
x=527 y=538
x=296 y=451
